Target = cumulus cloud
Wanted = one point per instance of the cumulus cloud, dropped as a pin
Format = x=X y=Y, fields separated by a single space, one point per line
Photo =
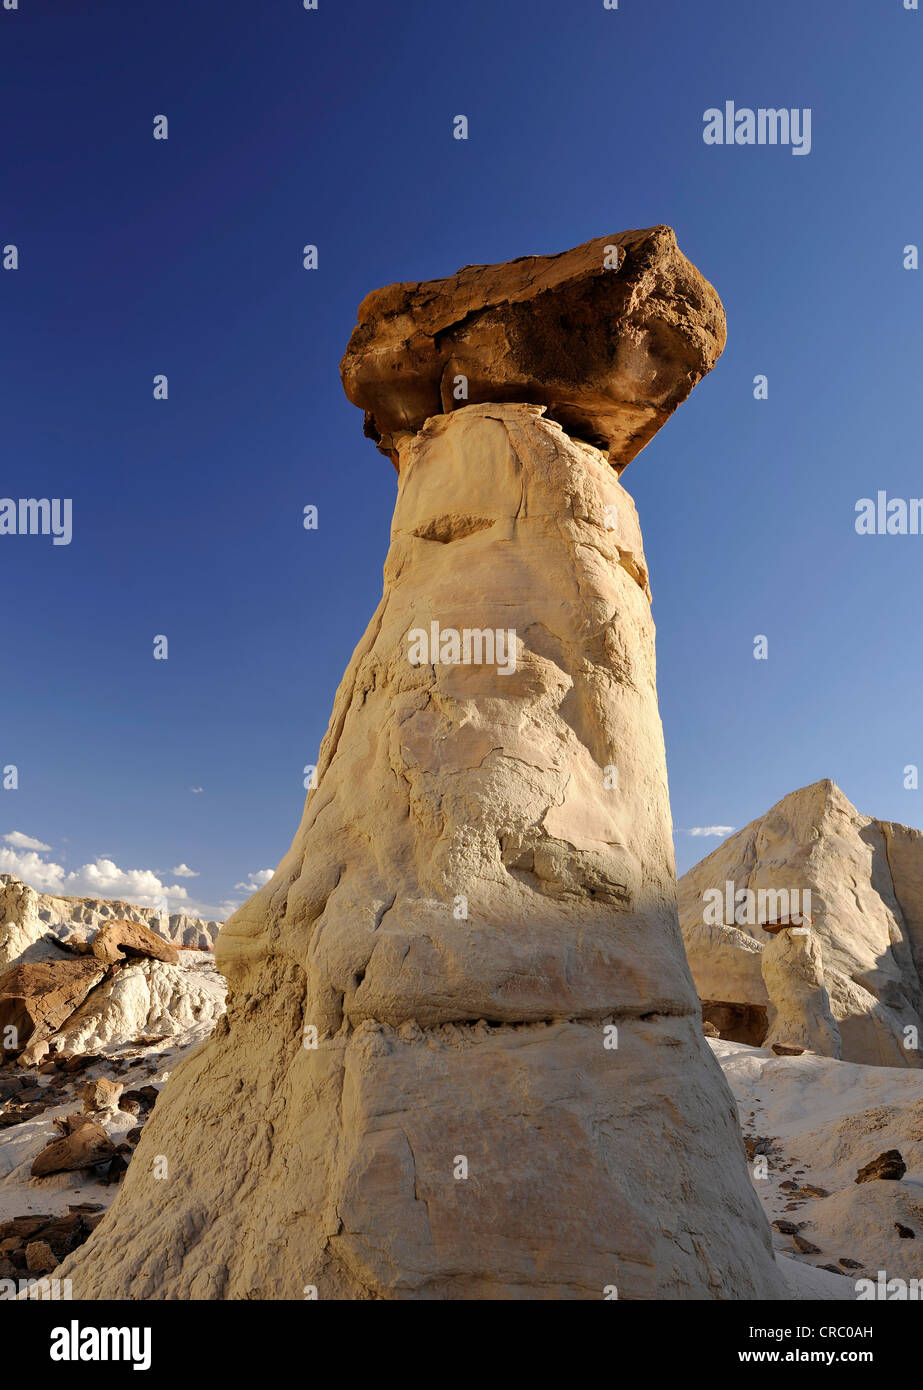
x=100 y=879
x=195 y=790
x=18 y=840
x=184 y=871
x=719 y=830
x=255 y=880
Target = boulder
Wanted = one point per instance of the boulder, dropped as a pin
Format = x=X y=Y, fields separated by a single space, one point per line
x=610 y=338
x=35 y=999
x=101 y=1095
x=83 y=1146
x=461 y=1020
x=40 y=1258
x=122 y=940
x=888 y=1166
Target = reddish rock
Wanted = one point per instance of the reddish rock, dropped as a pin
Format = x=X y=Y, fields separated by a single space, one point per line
x=101 y=1095
x=37 y=998
x=40 y=1258
x=84 y=1147
x=610 y=351
x=888 y=1166
x=122 y=940
x=59 y=1234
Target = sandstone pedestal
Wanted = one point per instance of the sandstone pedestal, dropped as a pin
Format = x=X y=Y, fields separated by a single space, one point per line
x=463 y=1056
x=799 y=1005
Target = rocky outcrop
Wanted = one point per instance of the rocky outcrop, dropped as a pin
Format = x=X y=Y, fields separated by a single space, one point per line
x=799 y=1014
x=36 y=999
x=727 y=969
x=83 y=1145
x=119 y=941
x=147 y=999
x=461 y=1020
x=34 y=925
x=148 y=991
x=610 y=338
x=865 y=879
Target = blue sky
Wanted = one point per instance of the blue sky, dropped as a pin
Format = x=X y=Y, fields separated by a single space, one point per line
x=334 y=127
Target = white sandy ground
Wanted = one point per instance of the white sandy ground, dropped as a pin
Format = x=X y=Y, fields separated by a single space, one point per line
x=178 y=1005
x=826 y=1120
x=20 y=1193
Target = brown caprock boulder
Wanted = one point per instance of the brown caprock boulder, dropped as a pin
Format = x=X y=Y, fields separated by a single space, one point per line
x=463 y=1055
x=123 y=940
x=84 y=1144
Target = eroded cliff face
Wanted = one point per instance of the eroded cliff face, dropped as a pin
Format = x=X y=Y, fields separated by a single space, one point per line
x=865 y=878
x=461 y=1022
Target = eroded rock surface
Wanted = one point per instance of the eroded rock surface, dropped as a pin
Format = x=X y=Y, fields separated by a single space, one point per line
x=35 y=999
x=461 y=1021
x=121 y=940
x=865 y=878
x=610 y=337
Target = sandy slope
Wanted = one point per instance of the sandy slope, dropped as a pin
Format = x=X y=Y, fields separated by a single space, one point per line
x=824 y=1120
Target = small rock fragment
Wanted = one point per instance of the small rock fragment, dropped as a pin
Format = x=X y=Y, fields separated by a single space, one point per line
x=888 y=1166
x=101 y=1095
x=40 y=1258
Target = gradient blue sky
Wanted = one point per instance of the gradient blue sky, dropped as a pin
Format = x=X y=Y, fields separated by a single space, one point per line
x=334 y=127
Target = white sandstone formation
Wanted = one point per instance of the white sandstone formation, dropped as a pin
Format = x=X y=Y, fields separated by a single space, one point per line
x=463 y=1055
x=799 y=1013
x=147 y=999
x=865 y=878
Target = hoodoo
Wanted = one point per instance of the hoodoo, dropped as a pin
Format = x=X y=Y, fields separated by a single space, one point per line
x=463 y=1055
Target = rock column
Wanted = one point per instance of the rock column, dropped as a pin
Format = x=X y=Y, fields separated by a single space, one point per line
x=463 y=1055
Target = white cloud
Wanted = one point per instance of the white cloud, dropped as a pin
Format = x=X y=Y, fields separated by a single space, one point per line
x=720 y=830
x=184 y=871
x=21 y=841
x=256 y=880
x=195 y=790
x=100 y=879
